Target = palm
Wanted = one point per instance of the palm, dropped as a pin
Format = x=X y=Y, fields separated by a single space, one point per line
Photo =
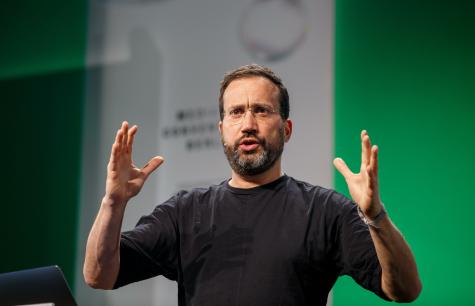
x=125 y=182
x=359 y=189
x=363 y=186
x=124 y=179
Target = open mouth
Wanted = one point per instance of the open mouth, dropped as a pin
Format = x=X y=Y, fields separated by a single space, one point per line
x=249 y=144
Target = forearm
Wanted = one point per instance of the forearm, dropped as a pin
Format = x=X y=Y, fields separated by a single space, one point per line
x=400 y=279
x=101 y=264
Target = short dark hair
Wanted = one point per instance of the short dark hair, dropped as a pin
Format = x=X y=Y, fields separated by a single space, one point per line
x=254 y=70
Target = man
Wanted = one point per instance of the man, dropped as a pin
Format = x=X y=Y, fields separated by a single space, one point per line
x=260 y=238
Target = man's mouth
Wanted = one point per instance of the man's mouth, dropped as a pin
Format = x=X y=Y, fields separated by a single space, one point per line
x=248 y=144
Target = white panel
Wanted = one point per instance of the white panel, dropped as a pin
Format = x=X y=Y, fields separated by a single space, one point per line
x=158 y=64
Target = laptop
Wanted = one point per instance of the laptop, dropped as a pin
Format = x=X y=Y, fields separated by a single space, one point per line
x=45 y=286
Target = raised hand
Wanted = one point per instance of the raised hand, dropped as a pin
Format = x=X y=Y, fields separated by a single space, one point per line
x=124 y=179
x=364 y=186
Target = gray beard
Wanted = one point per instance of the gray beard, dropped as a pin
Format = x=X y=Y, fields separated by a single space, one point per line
x=253 y=163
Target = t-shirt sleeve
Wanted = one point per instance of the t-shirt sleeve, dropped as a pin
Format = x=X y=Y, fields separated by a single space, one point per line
x=356 y=255
x=150 y=249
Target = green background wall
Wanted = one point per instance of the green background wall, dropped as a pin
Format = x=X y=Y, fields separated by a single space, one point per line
x=405 y=70
x=42 y=86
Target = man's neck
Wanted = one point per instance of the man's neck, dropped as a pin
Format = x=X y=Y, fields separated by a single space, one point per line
x=251 y=181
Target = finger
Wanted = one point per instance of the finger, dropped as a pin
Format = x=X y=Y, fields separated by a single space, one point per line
x=372 y=169
x=375 y=152
x=153 y=164
x=118 y=140
x=341 y=166
x=115 y=149
x=131 y=135
x=114 y=157
x=125 y=129
x=365 y=149
x=374 y=161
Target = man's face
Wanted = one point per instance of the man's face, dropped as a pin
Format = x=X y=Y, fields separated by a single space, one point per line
x=252 y=131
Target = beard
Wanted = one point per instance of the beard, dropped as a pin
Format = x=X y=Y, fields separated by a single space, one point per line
x=248 y=163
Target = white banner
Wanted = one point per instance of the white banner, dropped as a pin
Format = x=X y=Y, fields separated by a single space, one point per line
x=158 y=64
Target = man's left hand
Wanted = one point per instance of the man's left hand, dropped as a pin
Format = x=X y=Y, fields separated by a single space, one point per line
x=364 y=186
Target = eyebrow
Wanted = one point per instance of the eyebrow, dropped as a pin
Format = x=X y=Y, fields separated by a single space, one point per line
x=251 y=105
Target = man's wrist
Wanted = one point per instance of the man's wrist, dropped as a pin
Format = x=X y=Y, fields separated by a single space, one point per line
x=374 y=221
x=112 y=203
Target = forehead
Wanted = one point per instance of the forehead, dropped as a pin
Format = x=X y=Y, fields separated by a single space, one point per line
x=249 y=90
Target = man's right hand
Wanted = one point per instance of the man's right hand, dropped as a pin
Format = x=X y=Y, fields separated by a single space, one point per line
x=124 y=179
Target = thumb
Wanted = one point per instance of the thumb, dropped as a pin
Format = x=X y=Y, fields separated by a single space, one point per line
x=341 y=166
x=153 y=164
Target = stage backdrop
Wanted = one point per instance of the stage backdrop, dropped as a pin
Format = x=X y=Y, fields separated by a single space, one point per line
x=42 y=62
x=403 y=70
x=158 y=64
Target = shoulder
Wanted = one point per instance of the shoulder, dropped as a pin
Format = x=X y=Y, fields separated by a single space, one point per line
x=328 y=199
x=308 y=188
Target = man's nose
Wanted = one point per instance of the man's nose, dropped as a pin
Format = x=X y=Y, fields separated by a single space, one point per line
x=249 y=122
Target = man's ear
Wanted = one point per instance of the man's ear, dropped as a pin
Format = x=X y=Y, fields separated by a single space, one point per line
x=287 y=129
x=220 y=127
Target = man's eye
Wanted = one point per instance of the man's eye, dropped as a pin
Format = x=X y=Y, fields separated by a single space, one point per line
x=262 y=110
x=235 y=112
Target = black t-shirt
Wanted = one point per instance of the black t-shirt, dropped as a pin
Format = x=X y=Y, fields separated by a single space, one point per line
x=283 y=243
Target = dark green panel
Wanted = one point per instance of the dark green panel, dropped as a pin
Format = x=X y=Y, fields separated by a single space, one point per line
x=42 y=57
x=405 y=70
x=41 y=36
x=40 y=183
